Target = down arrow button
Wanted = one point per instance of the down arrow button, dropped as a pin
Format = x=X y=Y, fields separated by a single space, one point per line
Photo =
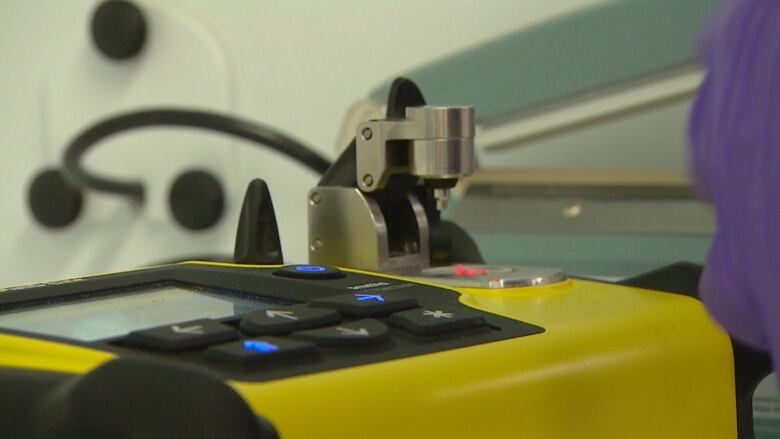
x=358 y=333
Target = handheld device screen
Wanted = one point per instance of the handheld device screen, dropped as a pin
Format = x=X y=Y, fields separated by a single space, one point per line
x=100 y=317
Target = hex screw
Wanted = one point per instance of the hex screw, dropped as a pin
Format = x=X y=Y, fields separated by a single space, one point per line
x=367 y=133
x=368 y=180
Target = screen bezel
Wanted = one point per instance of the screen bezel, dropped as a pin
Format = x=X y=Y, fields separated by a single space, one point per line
x=52 y=304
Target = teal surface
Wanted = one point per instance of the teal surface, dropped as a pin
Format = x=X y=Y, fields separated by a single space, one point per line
x=592 y=254
x=580 y=52
x=766 y=428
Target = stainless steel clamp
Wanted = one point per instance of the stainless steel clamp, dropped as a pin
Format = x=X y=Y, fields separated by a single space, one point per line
x=433 y=143
x=378 y=208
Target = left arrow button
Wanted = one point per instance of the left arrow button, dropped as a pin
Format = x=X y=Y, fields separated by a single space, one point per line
x=182 y=336
x=197 y=329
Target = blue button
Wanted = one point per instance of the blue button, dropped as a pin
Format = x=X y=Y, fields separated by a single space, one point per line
x=369 y=297
x=310 y=268
x=262 y=347
x=309 y=272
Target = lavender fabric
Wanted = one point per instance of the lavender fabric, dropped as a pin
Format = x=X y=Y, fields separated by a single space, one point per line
x=735 y=156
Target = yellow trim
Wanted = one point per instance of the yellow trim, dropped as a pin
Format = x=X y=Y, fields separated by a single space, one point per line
x=29 y=353
x=226 y=264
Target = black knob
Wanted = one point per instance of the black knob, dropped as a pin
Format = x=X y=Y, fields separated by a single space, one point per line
x=53 y=201
x=196 y=200
x=257 y=237
x=118 y=29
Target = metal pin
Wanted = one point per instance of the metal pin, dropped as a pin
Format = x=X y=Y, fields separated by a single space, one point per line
x=572 y=210
x=442 y=195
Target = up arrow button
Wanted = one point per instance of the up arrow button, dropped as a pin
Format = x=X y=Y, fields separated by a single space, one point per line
x=285 y=314
x=287 y=319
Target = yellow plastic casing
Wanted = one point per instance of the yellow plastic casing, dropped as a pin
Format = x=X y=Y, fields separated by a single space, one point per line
x=613 y=362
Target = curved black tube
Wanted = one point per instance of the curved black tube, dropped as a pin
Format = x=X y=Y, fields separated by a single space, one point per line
x=243 y=129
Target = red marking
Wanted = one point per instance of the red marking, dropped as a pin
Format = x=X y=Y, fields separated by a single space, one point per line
x=463 y=271
x=484 y=272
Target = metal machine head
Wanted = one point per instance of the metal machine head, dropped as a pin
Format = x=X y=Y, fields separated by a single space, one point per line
x=378 y=208
x=435 y=144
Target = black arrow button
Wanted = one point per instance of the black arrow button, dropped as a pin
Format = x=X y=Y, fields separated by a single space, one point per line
x=182 y=336
x=287 y=319
x=358 y=333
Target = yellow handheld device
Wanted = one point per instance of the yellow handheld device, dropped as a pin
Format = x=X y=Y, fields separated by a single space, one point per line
x=262 y=350
x=221 y=350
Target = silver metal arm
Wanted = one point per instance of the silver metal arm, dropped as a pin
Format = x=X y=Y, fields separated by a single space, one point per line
x=433 y=143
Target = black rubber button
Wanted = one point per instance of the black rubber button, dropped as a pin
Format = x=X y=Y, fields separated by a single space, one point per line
x=261 y=351
x=309 y=272
x=182 y=336
x=358 y=333
x=287 y=319
x=436 y=321
x=366 y=304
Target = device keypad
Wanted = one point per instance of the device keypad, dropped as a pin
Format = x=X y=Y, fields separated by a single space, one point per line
x=308 y=325
x=318 y=323
x=284 y=338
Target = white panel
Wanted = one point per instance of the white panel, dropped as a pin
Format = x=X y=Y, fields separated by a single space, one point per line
x=296 y=65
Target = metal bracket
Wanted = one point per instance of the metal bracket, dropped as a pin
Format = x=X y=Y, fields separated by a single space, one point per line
x=432 y=143
x=348 y=228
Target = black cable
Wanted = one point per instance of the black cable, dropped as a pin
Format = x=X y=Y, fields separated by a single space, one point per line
x=244 y=129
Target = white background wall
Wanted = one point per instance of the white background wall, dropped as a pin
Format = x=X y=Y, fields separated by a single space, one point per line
x=296 y=65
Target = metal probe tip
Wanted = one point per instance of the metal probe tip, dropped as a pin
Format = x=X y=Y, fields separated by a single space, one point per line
x=442 y=196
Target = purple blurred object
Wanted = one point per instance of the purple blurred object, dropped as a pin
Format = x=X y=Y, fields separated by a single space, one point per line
x=735 y=155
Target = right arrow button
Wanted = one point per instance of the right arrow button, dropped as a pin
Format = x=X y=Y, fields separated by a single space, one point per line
x=358 y=333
